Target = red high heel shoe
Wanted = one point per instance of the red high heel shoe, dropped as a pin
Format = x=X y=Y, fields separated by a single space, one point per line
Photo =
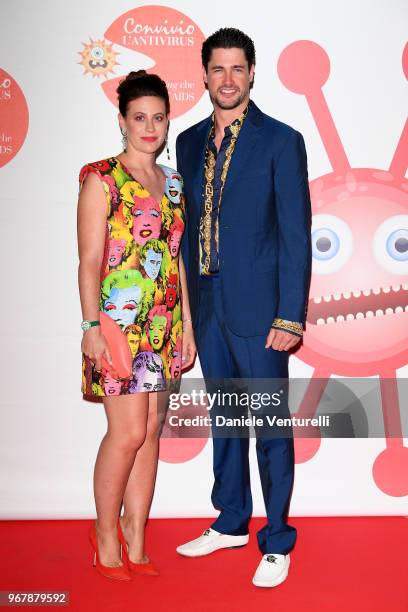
x=120 y=572
x=146 y=569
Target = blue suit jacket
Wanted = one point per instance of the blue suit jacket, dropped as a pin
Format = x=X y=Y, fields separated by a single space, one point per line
x=265 y=223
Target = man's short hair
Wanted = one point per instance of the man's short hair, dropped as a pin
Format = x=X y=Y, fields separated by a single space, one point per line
x=228 y=38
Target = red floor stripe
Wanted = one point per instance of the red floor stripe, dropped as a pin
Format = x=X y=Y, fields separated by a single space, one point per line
x=356 y=564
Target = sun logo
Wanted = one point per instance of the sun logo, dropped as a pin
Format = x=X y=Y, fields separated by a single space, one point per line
x=98 y=58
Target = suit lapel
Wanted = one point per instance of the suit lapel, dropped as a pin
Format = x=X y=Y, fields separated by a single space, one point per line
x=244 y=147
x=243 y=151
x=198 y=154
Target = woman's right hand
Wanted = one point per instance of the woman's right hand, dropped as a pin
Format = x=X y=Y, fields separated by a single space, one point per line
x=95 y=346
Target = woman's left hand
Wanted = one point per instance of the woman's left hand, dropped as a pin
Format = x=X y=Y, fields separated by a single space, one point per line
x=189 y=349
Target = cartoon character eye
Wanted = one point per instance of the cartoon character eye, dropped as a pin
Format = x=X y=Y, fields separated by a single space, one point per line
x=325 y=244
x=129 y=307
x=138 y=213
x=154 y=213
x=391 y=244
x=110 y=307
x=397 y=245
x=332 y=243
x=97 y=53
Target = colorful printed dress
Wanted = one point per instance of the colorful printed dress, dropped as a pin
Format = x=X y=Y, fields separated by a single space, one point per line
x=140 y=280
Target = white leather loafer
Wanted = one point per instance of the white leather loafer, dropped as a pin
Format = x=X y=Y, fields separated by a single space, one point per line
x=272 y=570
x=210 y=541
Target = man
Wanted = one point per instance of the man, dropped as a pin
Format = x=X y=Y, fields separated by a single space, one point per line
x=248 y=256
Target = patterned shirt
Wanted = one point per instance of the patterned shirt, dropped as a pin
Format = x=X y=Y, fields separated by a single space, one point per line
x=215 y=174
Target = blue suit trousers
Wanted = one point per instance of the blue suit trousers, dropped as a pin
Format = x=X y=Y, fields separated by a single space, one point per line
x=222 y=355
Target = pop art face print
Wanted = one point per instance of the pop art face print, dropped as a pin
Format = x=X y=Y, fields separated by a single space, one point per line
x=174 y=188
x=116 y=251
x=140 y=278
x=147 y=373
x=146 y=219
x=123 y=304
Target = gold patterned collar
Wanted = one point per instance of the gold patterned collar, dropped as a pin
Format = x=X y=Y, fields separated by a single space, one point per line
x=233 y=127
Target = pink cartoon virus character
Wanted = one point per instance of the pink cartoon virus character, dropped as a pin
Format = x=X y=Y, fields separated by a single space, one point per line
x=357 y=319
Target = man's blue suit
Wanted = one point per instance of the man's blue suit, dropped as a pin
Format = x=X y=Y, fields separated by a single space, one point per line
x=265 y=264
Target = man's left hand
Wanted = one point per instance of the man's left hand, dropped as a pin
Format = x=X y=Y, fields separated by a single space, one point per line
x=281 y=340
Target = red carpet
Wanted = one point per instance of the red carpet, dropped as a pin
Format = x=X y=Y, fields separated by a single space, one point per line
x=354 y=564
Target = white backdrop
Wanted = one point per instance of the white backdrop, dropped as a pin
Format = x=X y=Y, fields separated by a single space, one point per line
x=49 y=436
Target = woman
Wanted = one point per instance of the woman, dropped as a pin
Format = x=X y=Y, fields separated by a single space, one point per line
x=126 y=214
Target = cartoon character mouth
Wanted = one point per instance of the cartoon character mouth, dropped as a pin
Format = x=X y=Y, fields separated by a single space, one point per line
x=173 y=192
x=98 y=63
x=155 y=341
x=112 y=259
x=366 y=304
x=145 y=233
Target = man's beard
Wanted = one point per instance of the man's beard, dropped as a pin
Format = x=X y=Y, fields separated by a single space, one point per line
x=232 y=102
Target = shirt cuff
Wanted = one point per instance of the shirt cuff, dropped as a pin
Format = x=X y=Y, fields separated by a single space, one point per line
x=291 y=327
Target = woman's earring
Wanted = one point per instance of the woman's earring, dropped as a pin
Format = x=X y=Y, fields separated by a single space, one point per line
x=124 y=138
x=167 y=141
